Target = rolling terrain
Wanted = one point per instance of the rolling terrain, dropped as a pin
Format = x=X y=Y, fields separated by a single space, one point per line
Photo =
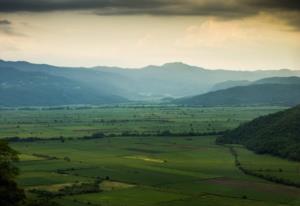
x=270 y=91
x=277 y=134
x=148 y=83
x=121 y=169
x=34 y=88
x=151 y=171
x=270 y=80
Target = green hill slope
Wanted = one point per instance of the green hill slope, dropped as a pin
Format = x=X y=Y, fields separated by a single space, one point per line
x=260 y=94
x=270 y=80
x=277 y=134
x=279 y=80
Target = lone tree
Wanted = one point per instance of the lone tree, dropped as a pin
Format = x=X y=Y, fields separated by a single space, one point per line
x=10 y=194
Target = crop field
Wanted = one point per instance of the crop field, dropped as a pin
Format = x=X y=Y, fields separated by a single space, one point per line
x=269 y=165
x=74 y=122
x=149 y=171
x=146 y=170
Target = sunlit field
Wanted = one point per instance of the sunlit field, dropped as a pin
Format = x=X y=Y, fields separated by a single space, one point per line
x=144 y=169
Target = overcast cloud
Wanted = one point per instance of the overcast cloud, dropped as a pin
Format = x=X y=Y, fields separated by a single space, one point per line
x=288 y=10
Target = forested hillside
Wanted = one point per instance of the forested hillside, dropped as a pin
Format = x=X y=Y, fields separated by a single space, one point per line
x=260 y=94
x=277 y=134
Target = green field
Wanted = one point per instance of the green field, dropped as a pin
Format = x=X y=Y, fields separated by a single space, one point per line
x=76 y=122
x=145 y=170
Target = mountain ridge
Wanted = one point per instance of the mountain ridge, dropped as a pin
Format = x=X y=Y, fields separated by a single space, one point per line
x=171 y=80
x=251 y=95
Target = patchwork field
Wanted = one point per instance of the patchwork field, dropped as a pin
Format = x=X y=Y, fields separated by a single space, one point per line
x=77 y=122
x=146 y=170
x=162 y=171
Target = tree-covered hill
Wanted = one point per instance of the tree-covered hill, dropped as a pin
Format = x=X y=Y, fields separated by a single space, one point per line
x=279 y=80
x=277 y=134
x=258 y=94
x=269 y=80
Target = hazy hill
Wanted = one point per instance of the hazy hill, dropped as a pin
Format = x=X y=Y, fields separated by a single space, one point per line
x=19 y=88
x=256 y=94
x=148 y=83
x=229 y=84
x=279 y=80
x=269 y=80
x=276 y=134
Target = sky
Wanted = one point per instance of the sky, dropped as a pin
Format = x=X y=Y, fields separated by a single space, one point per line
x=214 y=34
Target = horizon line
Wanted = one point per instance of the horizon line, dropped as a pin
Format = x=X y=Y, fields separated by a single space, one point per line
x=146 y=66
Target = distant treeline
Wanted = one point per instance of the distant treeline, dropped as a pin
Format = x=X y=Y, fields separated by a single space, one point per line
x=268 y=177
x=82 y=107
x=100 y=135
x=74 y=189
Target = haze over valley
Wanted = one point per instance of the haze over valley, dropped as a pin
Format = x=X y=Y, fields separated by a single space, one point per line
x=149 y=103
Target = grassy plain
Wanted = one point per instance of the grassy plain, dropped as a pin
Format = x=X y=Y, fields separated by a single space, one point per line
x=144 y=170
x=194 y=170
x=74 y=122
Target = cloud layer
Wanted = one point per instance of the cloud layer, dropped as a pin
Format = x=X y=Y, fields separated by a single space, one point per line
x=5 y=26
x=287 y=10
x=161 y=7
x=4 y=22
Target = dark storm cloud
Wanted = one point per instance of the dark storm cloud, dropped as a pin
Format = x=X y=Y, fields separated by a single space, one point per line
x=56 y=5
x=5 y=26
x=225 y=9
x=167 y=7
x=4 y=22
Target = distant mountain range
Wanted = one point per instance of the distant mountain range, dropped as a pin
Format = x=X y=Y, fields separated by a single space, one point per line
x=271 y=80
x=41 y=84
x=19 y=88
x=229 y=84
x=277 y=134
x=282 y=91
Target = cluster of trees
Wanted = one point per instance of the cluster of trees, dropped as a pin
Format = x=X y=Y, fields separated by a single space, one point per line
x=268 y=177
x=99 y=135
x=10 y=193
x=255 y=94
x=166 y=133
x=48 y=157
x=276 y=134
x=33 y=139
x=74 y=189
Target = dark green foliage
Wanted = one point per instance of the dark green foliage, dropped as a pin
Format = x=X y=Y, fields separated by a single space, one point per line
x=277 y=134
x=10 y=194
x=268 y=177
x=80 y=188
x=97 y=135
x=41 y=202
x=260 y=94
x=100 y=135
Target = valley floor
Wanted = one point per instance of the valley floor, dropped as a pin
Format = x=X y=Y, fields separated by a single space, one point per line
x=144 y=169
x=153 y=171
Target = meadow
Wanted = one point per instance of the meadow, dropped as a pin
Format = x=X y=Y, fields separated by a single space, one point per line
x=78 y=122
x=144 y=170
